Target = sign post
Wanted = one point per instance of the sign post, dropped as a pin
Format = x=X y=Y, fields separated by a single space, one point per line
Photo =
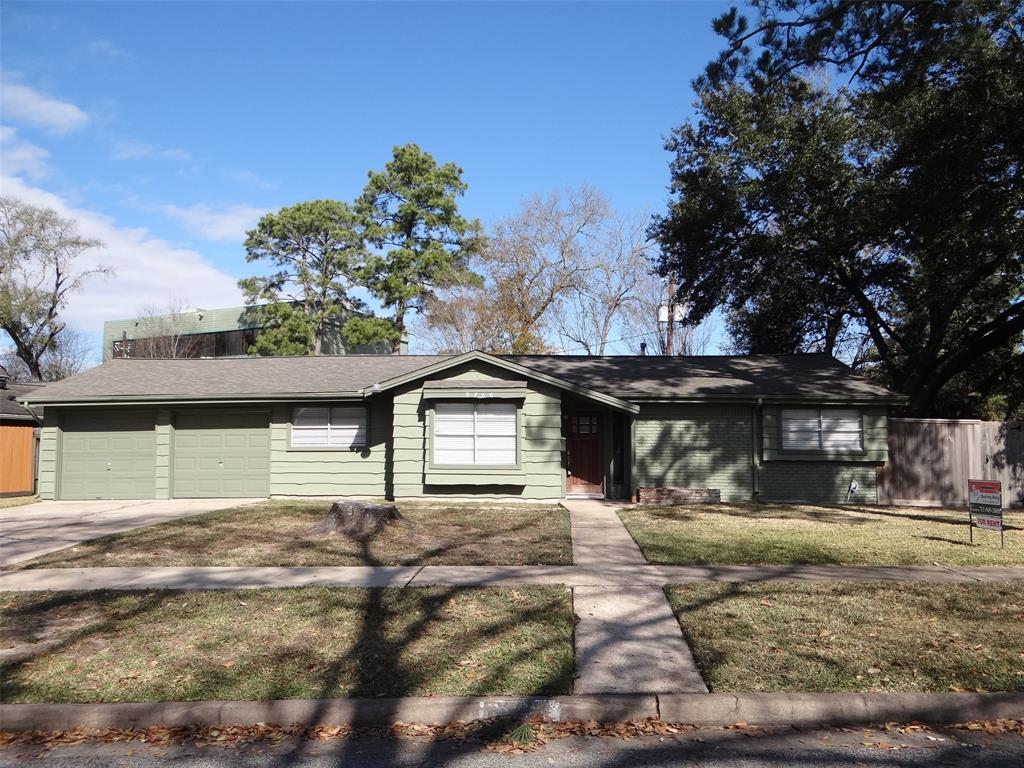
x=985 y=507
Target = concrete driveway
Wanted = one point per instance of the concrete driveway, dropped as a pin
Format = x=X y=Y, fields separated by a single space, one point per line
x=35 y=529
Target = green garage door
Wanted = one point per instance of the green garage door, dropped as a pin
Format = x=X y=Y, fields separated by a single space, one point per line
x=221 y=454
x=107 y=455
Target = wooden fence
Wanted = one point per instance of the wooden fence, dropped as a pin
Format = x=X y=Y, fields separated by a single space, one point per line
x=931 y=460
x=17 y=460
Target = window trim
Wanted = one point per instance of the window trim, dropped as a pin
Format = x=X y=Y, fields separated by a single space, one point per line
x=434 y=467
x=356 y=448
x=821 y=450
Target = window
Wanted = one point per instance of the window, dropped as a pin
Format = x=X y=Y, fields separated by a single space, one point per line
x=467 y=434
x=343 y=427
x=821 y=429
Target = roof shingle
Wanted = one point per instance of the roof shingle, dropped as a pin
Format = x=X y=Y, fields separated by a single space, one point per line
x=625 y=377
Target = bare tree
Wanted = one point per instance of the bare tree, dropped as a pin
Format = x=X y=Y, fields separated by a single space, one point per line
x=38 y=253
x=70 y=353
x=615 y=271
x=646 y=320
x=536 y=259
x=167 y=333
x=460 y=320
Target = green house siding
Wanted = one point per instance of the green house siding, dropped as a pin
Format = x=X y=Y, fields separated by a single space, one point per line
x=307 y=472
x=817 y=482
x=695 y=446
x=49 y=445
x=875 y=431
x=822 y=477
x=539 y=474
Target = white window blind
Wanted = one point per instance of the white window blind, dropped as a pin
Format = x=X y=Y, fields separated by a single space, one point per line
x=341 y=427
x=467 y=434
x=817 y=429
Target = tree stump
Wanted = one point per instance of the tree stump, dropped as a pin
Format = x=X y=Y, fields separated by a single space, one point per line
x=358 y=520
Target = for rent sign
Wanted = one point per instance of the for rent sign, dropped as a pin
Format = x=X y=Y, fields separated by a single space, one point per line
x=985 y=499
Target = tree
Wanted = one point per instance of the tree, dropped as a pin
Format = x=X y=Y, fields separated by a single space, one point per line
x=315 y=249
x=562 y=273
x=70 y=354
x=879 y=219
x=645 y=321
x=39 y=251
x=168 y=333
x=422 y=243
x=461 y=320
x=616 y=270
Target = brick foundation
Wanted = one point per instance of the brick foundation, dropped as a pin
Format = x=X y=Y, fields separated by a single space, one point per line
x=646 y=495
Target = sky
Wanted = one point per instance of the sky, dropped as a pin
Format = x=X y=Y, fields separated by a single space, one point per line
x=167 y=129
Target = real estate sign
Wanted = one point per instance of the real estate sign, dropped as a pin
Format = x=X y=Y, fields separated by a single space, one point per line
x=985 y=501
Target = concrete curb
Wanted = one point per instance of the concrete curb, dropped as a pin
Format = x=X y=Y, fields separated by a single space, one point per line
x=706 y=709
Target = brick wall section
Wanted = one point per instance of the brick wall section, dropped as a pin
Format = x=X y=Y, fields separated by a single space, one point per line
x=678 y=495
x=822 y=482
x=695 y=446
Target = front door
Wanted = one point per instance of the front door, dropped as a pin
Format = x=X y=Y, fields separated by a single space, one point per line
x=585 y=447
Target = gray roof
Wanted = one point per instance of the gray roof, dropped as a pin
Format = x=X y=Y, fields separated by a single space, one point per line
x=817 y=376
x=624 y=377
x=225 y=377
x=10 y=409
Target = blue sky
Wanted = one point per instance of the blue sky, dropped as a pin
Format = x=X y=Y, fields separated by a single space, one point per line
x=168 y=128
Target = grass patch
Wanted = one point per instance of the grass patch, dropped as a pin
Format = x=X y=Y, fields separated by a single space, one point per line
x=801 y=534
x=854 y=637
x=276 y=533
x=272 y=644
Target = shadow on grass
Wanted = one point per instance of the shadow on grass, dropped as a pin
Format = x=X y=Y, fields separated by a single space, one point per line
x=929 y=637
x=379 y=662
x=278 y=535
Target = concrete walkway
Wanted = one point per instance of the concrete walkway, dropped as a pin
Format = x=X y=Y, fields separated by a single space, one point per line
x=628 y=641
x=598 y=536
x=654 y=576
x=32 y=530
x=627 y=638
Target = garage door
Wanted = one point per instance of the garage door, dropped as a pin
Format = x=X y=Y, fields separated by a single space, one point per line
x=107 y=455
x=221 y=454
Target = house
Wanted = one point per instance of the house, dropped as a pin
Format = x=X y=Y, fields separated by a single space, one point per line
x=204 y=333
x=18 y=430
x=775 y=427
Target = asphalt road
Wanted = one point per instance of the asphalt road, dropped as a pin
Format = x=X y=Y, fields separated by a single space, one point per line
x=711 y=748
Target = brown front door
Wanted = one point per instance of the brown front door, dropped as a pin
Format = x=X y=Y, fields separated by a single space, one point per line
x=585 y=447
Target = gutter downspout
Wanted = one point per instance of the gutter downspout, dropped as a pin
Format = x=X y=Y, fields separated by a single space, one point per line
x=31 y=413
x=755 y=428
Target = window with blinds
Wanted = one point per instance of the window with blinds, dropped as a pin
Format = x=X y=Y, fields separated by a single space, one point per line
x=341 y=427
x=821 y=429
x=468 y=434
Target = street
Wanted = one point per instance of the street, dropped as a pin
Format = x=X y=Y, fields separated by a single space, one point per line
x=706 y=748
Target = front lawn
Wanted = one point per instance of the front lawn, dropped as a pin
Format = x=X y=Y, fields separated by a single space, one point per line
x=854 y=637
x=276 y=533
x=274 y=644
x=803 y=534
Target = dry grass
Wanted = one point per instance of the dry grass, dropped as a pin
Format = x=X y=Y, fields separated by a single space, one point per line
x=276 y=533
x=855 y=637
x=272 y=644
x=803 y=534
x=17 y=501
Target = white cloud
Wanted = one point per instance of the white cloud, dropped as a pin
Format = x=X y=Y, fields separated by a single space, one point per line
x=250 y=179
x=129 y=149
x=20 y=102
x=148 y=271
x=106 y=48
x=19 y=157
x=228 y=224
